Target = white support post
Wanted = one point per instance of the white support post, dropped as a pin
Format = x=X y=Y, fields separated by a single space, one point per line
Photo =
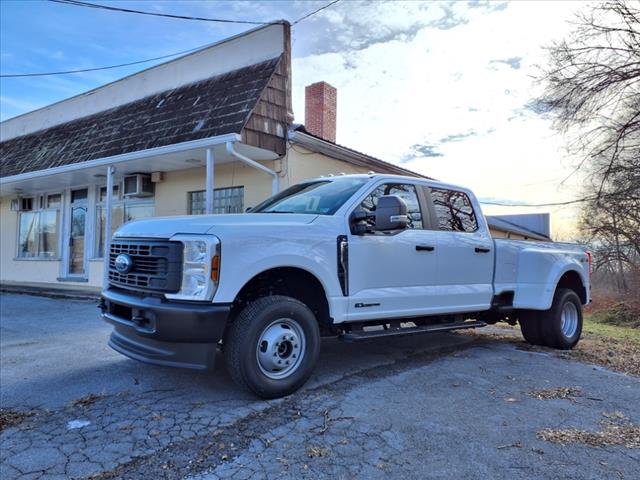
x=107 y=223
x=210 y=181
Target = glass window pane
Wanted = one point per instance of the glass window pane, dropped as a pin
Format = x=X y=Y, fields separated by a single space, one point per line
x=28 y=235
x=406 y=192
x=48 y=234
x=135 y=212
x=225 y=200
x=77 y=195
x=54 y=201
x=116 y=221
x=454 y=210
x=103 y=193
x=321 y=197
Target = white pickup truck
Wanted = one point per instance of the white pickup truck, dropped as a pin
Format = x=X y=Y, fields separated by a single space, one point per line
x=353 y=256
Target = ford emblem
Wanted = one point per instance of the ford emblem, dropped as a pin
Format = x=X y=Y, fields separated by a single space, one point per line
x=123 y=263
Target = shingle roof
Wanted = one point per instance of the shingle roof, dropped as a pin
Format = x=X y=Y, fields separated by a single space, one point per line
x=208 y=108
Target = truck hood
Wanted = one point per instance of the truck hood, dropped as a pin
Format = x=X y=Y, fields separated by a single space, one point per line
x=166 y=227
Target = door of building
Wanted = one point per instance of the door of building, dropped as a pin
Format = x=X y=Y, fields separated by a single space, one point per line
x=76 y=258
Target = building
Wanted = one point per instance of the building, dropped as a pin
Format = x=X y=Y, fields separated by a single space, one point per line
x=524 y=226
x=211 y=131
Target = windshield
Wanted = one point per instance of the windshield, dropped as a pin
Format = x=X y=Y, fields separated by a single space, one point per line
x=322 y=197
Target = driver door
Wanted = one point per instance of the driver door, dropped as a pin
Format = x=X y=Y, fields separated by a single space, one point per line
x=393 y=274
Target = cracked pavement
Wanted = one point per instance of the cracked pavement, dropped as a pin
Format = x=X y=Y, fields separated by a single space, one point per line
x=437 y=406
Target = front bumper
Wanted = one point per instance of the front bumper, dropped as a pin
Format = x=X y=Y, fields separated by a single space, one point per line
x=153 y=330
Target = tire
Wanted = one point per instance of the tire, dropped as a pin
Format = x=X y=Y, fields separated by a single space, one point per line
x=531 y=327
x=561 y=325
x=272 y=346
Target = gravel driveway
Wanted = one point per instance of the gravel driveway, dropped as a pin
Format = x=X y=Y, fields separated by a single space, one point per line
x=438 y=406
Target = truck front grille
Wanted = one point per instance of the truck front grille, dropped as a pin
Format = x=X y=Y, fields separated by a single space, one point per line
x=156 y=265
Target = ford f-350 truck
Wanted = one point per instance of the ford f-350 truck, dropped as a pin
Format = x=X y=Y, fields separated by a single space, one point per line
x=353 y=256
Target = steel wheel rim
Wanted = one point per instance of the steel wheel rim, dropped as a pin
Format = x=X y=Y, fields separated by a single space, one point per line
x=280 y=348
x=569 y=320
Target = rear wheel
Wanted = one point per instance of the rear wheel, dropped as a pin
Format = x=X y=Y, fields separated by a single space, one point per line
x=272 y=346
x=531 y=327
x=562 y=324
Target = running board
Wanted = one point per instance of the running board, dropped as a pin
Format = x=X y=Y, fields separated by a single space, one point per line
x=356 y=336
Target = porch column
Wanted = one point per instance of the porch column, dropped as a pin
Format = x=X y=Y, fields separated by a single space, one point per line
x=210 y=180
x=107 y=223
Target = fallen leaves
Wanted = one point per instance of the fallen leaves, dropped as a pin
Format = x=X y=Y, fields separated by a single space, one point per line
x=616 y=430
x=564 y=393
x=11 y=418
x=87 y=400
x=625 y=435
x=313 y=452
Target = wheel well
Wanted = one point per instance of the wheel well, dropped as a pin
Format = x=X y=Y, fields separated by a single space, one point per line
x=289 y=281
x=572 y=280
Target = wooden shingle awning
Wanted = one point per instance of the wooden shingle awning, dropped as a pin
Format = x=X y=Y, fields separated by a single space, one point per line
x=214 y=107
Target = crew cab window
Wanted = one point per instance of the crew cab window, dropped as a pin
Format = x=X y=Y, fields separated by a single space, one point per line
x=404 y=191
x=454 y=210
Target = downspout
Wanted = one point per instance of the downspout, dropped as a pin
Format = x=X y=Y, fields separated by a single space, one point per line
x=254 y=164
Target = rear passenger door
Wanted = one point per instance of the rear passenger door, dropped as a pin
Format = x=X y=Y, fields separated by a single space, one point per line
x=465 y=251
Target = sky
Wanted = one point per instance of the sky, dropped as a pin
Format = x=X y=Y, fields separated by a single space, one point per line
x=442 y=88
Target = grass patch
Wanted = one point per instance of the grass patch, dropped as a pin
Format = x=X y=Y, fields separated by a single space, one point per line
x=594 y=326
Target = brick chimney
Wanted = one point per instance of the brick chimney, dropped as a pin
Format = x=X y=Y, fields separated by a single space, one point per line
x=320 y=110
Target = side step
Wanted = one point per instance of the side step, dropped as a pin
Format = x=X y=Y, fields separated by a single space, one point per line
x=361 y=334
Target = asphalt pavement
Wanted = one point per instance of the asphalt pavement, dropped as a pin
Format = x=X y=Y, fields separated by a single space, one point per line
x=436 y=406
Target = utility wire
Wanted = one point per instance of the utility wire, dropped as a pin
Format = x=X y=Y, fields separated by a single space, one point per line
x=78 y=3
x=126 y=10
x=553 y=204
x=314 y=12
x=64 y=72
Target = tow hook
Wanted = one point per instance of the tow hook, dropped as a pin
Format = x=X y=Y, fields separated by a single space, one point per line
x=102 y=305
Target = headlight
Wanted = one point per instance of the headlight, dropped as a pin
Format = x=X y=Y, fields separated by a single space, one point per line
x=200 y=267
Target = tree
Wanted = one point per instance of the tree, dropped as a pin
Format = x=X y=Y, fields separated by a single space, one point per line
x=592 y=89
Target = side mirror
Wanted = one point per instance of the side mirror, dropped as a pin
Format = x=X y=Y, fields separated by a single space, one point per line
x=391 y=213
x=358 y=222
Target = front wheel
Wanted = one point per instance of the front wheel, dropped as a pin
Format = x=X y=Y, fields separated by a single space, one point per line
x=272 y=346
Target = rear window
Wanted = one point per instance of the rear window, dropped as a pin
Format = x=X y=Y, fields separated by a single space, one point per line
x=454 y=210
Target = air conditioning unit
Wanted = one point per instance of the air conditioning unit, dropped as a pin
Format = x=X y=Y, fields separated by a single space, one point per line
x=22 y=204
x=138 y=185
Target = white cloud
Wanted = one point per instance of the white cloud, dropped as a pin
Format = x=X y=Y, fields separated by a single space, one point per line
x=460 y=91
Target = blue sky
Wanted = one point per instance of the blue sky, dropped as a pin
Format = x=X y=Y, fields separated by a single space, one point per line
x=443 y=88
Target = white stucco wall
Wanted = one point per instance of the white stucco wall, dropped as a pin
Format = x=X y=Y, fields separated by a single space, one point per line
x=304 y=164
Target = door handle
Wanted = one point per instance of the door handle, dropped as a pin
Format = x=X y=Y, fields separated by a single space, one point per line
x=425 y=248
x=482 y=250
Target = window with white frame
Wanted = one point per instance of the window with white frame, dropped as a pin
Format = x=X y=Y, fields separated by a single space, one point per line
x=39 y=229
x=225 y=200
x=123 y=210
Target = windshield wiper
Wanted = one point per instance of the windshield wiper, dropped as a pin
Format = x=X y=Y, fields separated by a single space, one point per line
x=277 y=211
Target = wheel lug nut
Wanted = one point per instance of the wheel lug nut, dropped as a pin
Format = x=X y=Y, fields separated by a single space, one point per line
x=287 y=362
x=294 y=355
